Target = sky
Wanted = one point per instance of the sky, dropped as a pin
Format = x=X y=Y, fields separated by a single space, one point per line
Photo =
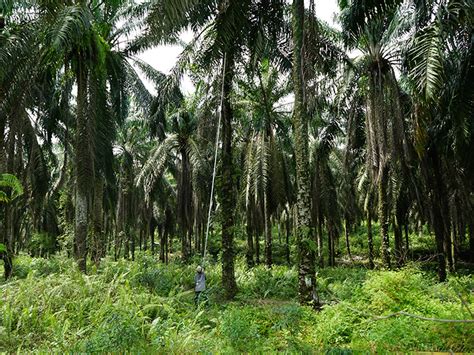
x=163 y=58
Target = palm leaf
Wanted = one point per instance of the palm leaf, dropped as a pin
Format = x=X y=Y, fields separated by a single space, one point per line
x=156 y=163
x=11 y=182
x=427 y=62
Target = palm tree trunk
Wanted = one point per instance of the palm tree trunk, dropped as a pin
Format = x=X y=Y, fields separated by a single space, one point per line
x=148 y=230
x=331 y=244
x=257 y=248
x=185 y=205
x=304 y=230
x=370 y=239
x=278 y=224
x=407 y=242
x=140 y=238
x=161 y=230
x=227 y=190
x=197 y=246
x=320 y=242
x=398 y=239
x=452 y=248
x=383 y=215
x=435 y=184
x=287 y=242
x=84 y=170
x=152 y=235
x=471 y=240
x=132 y=242
x=98 y=223
x=250 y=249
x=169 y=242
x=346 y=234
x=268 y=229
x=167 y=246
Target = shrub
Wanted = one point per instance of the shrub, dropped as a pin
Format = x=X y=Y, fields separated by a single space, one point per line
x=144 y=306
x=261 y=282
x=243 y=328
x=353 y=323
x=118 y=330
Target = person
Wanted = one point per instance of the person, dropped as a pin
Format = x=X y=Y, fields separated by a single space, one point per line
x=199 y=284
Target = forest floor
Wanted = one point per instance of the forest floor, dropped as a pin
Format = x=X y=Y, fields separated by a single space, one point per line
x=145 y=306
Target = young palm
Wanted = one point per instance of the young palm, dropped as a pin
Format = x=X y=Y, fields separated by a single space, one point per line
x=10 y=189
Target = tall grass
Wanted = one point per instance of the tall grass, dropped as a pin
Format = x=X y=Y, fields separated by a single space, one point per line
x=144 y=306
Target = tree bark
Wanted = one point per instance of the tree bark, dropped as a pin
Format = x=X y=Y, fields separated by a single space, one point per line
x=435 y=184
x=287 y=242
x=407 y=242
x=152 y=235
x=166 y=248
x=320 y=242
x=268 y=229
x=98 y=223
x=383 y=215
x=398 y=239
x=257 y=248
x=304 y=230
x=331 y=246
x=448 y=249
x=227 y=183
x=346 y=234
x=84 y=169
x=250 y=248
x=471 y=241
x=370 y=239
x=185 y=199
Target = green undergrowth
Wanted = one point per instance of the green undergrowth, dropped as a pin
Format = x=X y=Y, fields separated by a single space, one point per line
x=144 y=306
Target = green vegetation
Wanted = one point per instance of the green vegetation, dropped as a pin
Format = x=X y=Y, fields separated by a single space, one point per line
x=145 y=306
x=322 y=171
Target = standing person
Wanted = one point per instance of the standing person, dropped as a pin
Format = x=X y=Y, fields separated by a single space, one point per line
x=199 y=284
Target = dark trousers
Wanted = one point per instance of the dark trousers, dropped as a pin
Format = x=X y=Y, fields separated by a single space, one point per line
x=200 y=296
x=197 y=297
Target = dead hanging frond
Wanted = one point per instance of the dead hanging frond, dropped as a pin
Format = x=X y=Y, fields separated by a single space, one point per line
x=248 y=169
x=199 y=165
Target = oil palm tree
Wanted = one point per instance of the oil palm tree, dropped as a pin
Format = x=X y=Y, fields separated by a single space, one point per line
x=377 y=31
x=224 y=29
x=24 y=144
x=84 y=41
x=304 y=229
x=178 y=147
x=439 y=68
x=266 y=181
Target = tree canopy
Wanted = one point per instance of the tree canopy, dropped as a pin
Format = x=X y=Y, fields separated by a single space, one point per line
x=324 y=131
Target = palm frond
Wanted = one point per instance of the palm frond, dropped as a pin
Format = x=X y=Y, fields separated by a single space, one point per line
x=11 y=182
x=67 y=30
x=427 y=62
x=156 y=163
